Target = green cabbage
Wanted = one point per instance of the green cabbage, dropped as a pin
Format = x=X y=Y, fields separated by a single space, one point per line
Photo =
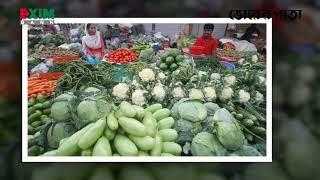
x=223 y=115
x=230 y=135
x=211 y=108
x=87 y=110
x=206 y=144
x=59 y=131
x=186 y=130
x=60 y=111
x=193 y=111
x=246 y=150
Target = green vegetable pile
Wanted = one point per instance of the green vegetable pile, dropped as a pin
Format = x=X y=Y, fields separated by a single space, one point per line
x=80 y=74
x=170 y=60
x=128 y=130
x=39 y=109
x=208 y=130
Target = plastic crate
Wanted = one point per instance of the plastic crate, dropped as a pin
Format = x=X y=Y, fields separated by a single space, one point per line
x=65 y=59
x=197 y=50
x=51 y=76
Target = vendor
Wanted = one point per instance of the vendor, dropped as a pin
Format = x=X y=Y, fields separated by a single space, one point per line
x=207 y=40
x=248 y=35
x=92 y=44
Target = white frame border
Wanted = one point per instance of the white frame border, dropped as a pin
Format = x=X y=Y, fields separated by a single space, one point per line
x=267 y=158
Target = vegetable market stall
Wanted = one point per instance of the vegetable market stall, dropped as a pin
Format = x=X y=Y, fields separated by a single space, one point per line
x=145 y=102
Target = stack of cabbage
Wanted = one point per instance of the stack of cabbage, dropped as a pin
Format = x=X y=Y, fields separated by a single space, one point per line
x=208 y=130
x=128 y=130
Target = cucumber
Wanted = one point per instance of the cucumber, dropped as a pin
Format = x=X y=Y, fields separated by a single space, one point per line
x=247 y=122
x=166 y=154
x=62 y=141
x=153 y=108
x=38 y=106
x=118 y=114
x=31 y=140
x=102 y=147
x=248 y=136
x=45 y=120
x=34 y=117
x=124 y=146
x=31 y=110
x=38 y=128
x=127 y=109
x=43 y=117
x=46 y=105
x=143 y=153
x=112 y=122
x=166 y=123
x=161 y=114
x=171 y=148
x=50 y=153
x=70 y=146
x=109 y=134
x=46 y=111
x=90 y=137
x=258 y=130
x=132 y=126
x=143 y=143
x=168 y=135
x=140 y=112
x=37 y=134
x=157 y=148
x=239 y=116
x=34 y=151
x=31 y=130
x=31 y=102
x=41 y=98
x=36 y=124
x=150 y=123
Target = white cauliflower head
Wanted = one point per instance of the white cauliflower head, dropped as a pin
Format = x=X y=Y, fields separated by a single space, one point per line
x=202 y=73
x=262 y=80
x=138 y=97
x=215 y=76
x=159 y=92
x=244 y=96
x=210 y=93
x=178 y=92
x=259 y=97
x=196 y=94
x=230 y=80
x=254 y=58
x=226 y=93
x=147 y=75
x=120 y=90
x=161 y=75
x=241 y=61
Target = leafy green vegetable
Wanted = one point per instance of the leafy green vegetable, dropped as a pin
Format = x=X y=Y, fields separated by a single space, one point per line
x=206 y=144
x=193 y=111
x=60 y=111
x=59 y=131
x=186 y=130
x=87 y=110
x=246 y=150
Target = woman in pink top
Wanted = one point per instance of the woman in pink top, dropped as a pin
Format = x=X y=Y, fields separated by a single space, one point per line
x=92 y=44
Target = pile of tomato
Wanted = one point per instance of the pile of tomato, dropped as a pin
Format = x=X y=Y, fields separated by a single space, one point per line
x=122 y=56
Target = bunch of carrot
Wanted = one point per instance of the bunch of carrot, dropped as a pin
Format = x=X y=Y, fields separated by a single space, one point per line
x=37 y=85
